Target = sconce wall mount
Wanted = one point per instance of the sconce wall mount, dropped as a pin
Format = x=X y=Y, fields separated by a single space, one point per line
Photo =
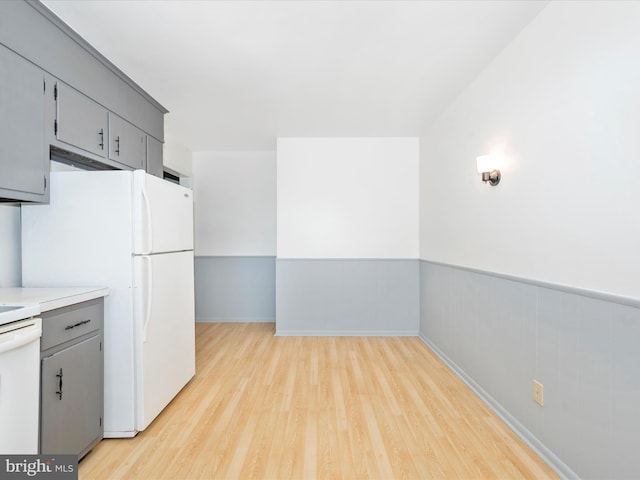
x=489 y=167
x=493 y=177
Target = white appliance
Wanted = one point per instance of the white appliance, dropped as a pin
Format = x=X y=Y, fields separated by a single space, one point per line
x=19 y=386
x=131 y=232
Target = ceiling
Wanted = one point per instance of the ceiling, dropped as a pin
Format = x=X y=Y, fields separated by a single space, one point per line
x=235 y=75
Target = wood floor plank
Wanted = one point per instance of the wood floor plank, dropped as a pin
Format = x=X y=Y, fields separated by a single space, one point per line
x=266 y=407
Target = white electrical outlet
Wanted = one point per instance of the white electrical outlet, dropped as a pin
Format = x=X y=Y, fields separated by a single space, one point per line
x=538 y=393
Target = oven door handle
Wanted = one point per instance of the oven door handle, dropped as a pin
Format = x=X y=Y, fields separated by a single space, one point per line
x=18 y=338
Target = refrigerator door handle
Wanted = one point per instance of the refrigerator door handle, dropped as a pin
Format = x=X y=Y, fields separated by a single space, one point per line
x=149 y=223
x=149 y=297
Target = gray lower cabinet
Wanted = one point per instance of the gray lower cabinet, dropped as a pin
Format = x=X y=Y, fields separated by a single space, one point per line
x=127 y=143
x=71 y=398
x=72 y=379
x=24 y=166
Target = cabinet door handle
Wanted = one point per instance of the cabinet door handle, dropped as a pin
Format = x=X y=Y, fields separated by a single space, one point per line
x=83 y=322
x=101 y=142
x=118 y=145
x=59 y=392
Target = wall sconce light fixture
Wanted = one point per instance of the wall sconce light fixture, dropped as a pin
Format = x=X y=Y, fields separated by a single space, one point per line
x=488 y=166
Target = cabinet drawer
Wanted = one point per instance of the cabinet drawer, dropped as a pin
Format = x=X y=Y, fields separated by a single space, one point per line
x=64 y=324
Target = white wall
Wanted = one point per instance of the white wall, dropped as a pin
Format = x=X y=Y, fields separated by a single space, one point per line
x=10 y=252
x=562 y=101
x=177 y=158
x=347 y=198
x=235 y=203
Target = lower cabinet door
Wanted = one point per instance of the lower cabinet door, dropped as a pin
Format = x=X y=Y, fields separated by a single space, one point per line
x=72 y=397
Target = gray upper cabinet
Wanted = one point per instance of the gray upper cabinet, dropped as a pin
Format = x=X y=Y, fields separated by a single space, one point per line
x=80 y=122
x=154 y=157
x=89 y=134
x=72 y=121
x=24 y=165
x=127 y=143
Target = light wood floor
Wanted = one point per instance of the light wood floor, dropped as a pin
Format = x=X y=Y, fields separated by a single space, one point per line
x=317 y=407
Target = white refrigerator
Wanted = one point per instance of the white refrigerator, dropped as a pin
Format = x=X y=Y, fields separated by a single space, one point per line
x=133 y=233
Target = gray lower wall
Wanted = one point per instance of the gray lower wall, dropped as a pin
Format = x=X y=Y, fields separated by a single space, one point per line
x=235 y=289
x=499 y=334
x=347 y=297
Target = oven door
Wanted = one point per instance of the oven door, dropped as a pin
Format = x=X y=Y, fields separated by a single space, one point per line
x=19 y=386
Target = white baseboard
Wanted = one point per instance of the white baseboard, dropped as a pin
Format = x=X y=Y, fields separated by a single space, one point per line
x=345 y=333
x=235 y=320
x=527 y=437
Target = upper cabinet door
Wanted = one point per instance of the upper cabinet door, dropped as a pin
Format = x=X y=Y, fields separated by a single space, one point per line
x=127 y=143
x=80 y=121
x=23 y=157
x=154 y=157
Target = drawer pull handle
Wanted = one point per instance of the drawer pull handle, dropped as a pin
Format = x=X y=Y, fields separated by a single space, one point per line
x=83 y=322
x=59 y=392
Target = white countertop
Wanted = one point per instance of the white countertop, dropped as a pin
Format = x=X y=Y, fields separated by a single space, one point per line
x=38 y=300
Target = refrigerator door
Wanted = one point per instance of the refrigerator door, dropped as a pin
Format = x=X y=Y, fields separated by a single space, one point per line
x=163 y=215
x=164 y=330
